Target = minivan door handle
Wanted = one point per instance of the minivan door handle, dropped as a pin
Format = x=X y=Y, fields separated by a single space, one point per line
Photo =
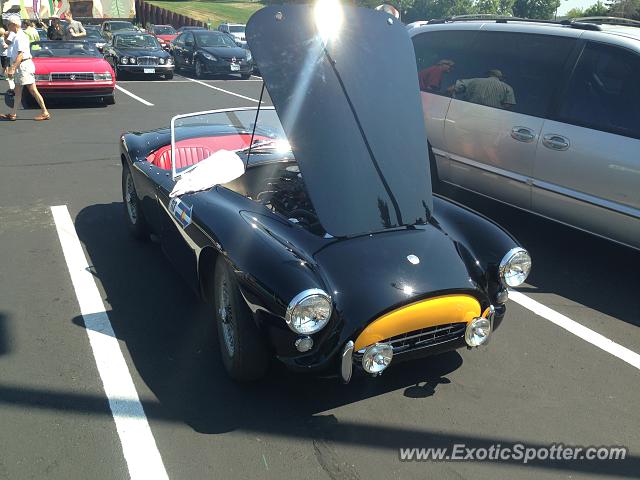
x=555 y=142
x=523 y=134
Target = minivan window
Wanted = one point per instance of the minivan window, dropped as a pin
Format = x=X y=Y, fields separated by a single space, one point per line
x=507 y=70
x=603 y=91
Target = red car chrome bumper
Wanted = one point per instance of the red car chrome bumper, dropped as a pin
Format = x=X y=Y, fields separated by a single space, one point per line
x=76 y=89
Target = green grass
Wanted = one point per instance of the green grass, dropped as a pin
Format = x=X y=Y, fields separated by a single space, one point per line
x=215 y=11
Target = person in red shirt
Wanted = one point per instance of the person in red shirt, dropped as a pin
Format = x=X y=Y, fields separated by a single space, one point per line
x=431 y=78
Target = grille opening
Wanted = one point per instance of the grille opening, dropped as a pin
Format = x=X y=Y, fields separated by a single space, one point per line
x=426 y=337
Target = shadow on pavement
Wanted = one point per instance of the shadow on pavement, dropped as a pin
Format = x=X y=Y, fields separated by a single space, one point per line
x=586 y=269
x=173 y=347
x=172 y=339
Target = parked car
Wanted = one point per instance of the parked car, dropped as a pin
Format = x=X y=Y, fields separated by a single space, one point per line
x=109 y=27
x=236 y=30
x=317 y=239
x=543 y=116
x=94 y=36
x=187 y=28
x=209 y=52
x=72 y=69
x=164 y=33
x=138 y=53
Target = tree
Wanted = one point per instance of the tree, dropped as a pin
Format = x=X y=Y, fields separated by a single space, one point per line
x=538 y=9
x=575 y=13
x=596 y=10
x=625 y=8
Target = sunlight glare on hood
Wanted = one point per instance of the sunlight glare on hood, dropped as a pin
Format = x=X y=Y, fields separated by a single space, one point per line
x=328 y=16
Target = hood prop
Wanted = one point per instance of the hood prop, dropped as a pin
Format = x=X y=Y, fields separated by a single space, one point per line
x=255 y=122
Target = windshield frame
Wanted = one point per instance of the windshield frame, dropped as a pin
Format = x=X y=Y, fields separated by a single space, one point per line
x=174 y=174
x=160 y=30
x=48 y=45
x=212 y=33
x=154 y=40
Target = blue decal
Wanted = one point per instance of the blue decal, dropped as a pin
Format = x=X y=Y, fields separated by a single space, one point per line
x=181 y=211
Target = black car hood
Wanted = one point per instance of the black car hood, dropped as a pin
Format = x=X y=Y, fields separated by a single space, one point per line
x=225 y=52
x=352 y=114
x=372 y=274
x=142 y=52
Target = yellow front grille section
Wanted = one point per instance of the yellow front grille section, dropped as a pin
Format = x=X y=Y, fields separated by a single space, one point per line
x=422 y=314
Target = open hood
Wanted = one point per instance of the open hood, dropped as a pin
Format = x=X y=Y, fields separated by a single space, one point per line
x=351 y=110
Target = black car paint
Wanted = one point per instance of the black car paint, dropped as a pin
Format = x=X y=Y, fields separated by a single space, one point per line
x=186 y=55
x=113 y=54
x=274 y=259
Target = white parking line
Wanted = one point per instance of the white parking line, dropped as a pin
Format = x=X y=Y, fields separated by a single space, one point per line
x=223 y=90
x=594 y=338
x=138 y=445
x=141 y=100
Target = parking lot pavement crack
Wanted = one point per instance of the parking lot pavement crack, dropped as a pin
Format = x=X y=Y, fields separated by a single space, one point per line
x=329 y=460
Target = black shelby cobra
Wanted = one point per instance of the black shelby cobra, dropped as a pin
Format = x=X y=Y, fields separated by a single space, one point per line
x=328 y=249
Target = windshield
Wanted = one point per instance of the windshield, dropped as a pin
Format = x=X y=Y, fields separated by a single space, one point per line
x=236 y=28
x=164 y=30
x=136 y=41
x=122 y=26
x=94 y=34
x=213 y=39
x=64 y=49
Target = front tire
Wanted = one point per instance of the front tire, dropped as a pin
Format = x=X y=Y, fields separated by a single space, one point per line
x=168 y=76
x=199 y=69
x=245 y=76
x=242 y=348
x=136 y=222
x=110 y=99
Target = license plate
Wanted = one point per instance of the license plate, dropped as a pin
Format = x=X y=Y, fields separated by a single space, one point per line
x=149 y=70
x=235 y=67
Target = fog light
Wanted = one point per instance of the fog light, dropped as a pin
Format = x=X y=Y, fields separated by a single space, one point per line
x=502 y=296
x=377 y=357
x=477 y=332
x=304 y=344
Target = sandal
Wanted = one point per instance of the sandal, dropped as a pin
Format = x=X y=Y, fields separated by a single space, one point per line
x=44 y=116
x=8 y=116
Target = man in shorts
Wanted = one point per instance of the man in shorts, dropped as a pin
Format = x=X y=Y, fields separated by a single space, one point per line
x=23 y=70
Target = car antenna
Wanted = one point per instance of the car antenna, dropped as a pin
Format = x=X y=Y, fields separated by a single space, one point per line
x=255 y=122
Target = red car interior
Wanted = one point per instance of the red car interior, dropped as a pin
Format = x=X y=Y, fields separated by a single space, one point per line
x=194 y=150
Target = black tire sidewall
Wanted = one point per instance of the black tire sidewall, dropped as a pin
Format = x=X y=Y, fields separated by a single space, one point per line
x=250 y=359
x=139 y=229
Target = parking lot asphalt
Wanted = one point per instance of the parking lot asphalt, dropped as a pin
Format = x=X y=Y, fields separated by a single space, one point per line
x=536 y=383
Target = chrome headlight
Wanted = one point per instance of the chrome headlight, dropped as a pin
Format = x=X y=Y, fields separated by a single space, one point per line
x=161 y=61
x=169 y=60
x=124 y=60
x=132 y=60
x=208 y=56
x=42 y=77
x=249 y=56
x=102 y=76
x=309 y=311
x=515 y=267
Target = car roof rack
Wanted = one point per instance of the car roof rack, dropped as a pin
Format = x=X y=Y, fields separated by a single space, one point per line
x=608 y=21
x=581 y=25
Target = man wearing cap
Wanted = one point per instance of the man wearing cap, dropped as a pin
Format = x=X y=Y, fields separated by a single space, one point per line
x=23 y=70
x=431 y=78
x=491 y=91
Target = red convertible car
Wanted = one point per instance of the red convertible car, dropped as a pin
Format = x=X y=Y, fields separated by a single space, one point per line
x=72 y=69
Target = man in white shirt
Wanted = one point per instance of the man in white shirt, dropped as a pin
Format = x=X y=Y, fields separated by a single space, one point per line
x=23 y=70
x=5 y=43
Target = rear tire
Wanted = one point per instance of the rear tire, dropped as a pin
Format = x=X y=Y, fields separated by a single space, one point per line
x=136 y=222
x=242 y=348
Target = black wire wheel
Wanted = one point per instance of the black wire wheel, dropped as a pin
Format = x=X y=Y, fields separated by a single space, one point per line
x=242 y=348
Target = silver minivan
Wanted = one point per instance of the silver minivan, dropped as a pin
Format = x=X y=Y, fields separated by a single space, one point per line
x=541 y=116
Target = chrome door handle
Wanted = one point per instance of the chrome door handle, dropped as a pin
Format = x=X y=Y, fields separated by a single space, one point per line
x=555 y=142
x=523 y=134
